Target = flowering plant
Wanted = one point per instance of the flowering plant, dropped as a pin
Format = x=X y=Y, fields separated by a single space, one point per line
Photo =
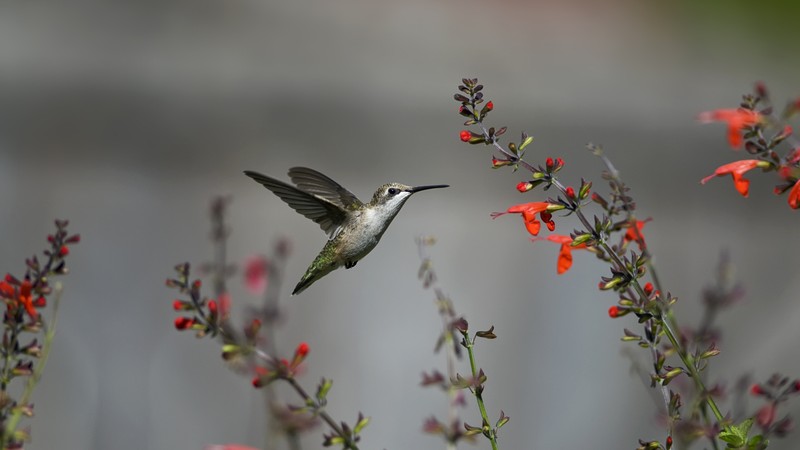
x=251 y=349
x=615 y=236
x=24 y=357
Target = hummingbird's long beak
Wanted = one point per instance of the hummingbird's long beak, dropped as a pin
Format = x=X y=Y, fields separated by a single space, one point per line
x=424 y=188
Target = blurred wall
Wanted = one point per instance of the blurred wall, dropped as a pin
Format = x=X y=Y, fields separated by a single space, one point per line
x=128 y=117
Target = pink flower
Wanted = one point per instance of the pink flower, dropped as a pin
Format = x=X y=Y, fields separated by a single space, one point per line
x=765 y=416
x=256 y=274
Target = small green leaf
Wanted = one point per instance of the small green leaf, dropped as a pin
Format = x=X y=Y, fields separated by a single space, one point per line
x=527 y=140
x=502 y=420
x=757 y=442
x=230 y=348
x=323 y=389
x=362 y=422
x=736 y=435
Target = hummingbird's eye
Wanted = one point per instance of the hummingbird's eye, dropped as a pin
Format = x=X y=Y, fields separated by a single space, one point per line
x=392 y=191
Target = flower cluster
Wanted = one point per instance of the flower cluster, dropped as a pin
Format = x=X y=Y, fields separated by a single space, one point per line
x=201 y=314
x=616 y=237
x=763 y=134
x=251 y=348
x=280 y=369
x=25 y=356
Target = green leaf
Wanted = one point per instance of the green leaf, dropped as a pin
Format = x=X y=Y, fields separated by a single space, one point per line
x=323 y=389
x=362 y=422
x=757 y=442
x=736 y=435
x=525 y=142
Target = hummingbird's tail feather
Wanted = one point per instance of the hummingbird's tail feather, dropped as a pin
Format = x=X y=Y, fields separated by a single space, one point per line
x=315 y=271
x=303 y=284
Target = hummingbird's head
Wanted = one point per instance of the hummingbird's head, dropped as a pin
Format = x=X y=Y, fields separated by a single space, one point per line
x=392 y=196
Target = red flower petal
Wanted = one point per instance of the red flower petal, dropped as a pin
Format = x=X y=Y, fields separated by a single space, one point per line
x=737 y=169
x=302 y=349
x=737 y=120
x=565 y=252
x=564 y=259
x=794 y=196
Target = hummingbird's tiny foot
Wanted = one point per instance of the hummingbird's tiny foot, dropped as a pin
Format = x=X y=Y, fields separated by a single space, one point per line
x=350 y=264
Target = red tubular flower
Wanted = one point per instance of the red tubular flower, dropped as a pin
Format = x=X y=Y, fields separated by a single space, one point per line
x=302 y=349
x=300 y=354
x=21 y=296
x=490 y=106
x=613 y=312
x=737 y=120
x=634 y=234
x=63 y=251
x=182 y=323
x=465 y=135
x=524 y=186
x=26 y=299
x=794 y=195
x=6 y=290
x=565 y=253
x=737 y=169
x=529 y=212
x=497 y=163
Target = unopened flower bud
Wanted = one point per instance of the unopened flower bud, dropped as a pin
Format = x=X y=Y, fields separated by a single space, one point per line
x=524 y=186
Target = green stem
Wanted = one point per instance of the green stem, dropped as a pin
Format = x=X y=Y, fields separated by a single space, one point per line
x=670 y=316
x=348 y=442
x=478 y=391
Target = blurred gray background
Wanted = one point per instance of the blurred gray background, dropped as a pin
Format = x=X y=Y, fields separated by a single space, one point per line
x=128 y=117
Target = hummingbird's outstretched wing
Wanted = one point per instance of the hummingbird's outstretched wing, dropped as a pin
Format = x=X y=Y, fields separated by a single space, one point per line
x=328 y=215
x=313 y=182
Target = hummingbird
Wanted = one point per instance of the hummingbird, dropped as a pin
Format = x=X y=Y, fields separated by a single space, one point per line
x=353 y=227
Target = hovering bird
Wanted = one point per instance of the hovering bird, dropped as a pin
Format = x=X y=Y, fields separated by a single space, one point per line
x=353 y=227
